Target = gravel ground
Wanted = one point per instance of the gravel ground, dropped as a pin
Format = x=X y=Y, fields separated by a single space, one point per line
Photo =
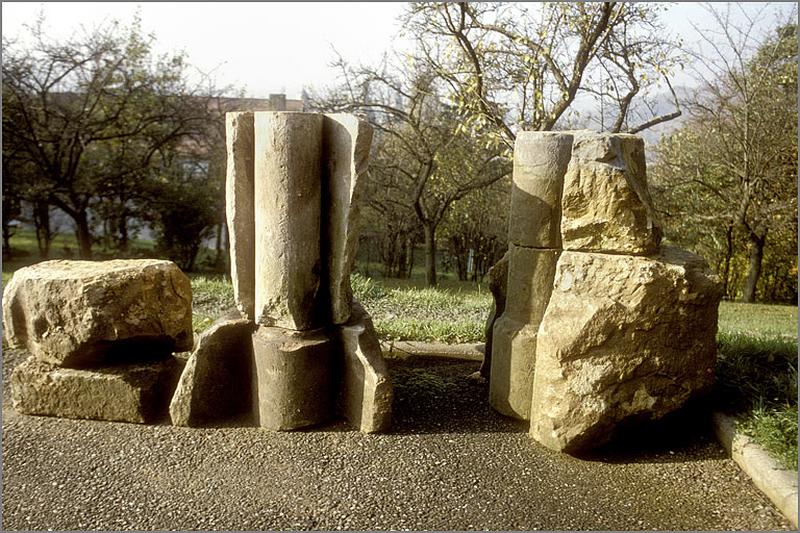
x=451 y=463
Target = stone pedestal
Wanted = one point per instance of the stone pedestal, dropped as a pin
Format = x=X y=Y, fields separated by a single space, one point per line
x=294 y=378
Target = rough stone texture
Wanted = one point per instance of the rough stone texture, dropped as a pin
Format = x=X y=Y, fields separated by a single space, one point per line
x=287 y=219
x=346 y=142
x=530 y=275
x=215 y=383
x=606 y=206
x=240 y=210
x=294 y=383
x=540 y=162
x=136 y=393
x=623 y=338
x=498 y=283
x=76 y=313
x=366 y=393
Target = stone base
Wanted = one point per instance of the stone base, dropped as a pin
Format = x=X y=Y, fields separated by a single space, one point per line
x=366 y=395
x=215 y=384
x=513 y=362
x=294 y=383
x=136 y=393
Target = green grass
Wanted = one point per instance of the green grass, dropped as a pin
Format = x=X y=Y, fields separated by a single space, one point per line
x=758 y=319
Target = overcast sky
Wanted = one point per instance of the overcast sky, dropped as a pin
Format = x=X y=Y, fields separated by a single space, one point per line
x=263 y=47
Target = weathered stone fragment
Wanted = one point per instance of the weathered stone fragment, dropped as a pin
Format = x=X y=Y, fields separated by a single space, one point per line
x=498 y=283
x=366 y=394
x=346 y=143
x=137 y=393
x=540 y=162
x=76 y=313
x=240 y=209
x=287 y=219
x=606 y=206
x=622 y=337
x=530 y=279
x=294 y=382
x=215 y=383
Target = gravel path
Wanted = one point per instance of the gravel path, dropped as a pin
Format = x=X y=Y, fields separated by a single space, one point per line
x=451 y=463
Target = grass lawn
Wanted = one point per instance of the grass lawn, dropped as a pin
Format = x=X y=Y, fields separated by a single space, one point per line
x=756 y=369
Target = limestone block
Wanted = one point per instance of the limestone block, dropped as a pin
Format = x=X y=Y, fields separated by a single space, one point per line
x=606 y=206
x=622 y=337
x=137 y=393
x=498 y=277
x=287 y=219
x=346 y=141
x=215 y=383
x=530 y=274
x=540 y=162
x=366 y=395
x=294 y=383
x=76 y=313
x=240 y=209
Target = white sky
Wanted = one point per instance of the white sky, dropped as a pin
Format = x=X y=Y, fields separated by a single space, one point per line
x=265 y=47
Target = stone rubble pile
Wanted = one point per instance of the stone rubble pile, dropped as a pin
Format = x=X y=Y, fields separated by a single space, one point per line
x=601 y=323
x=101 y=337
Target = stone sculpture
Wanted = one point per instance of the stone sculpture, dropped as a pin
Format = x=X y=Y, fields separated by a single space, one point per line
x=310 y=351
x=603 y=324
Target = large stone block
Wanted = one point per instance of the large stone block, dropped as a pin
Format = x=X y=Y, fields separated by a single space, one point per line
x=530 y=281
x=240 y=208
x=137 y=393
x=346 y=141
x=294 y=378
x=540 y=162
x=623 y=337
x=78 y=313
x=287 y=219
x=215 y=383
x=606 y=206
x=366 y=394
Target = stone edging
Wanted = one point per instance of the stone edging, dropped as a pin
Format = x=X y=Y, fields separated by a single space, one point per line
x=777 y=483
x=402 y=349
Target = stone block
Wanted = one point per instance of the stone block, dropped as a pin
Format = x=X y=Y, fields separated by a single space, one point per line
x=346 y=141
x=540 y=162
x=287 y=220
x=137 y=393
x=80 y=313
x=294 y=378
x=215 y=383
x=623 y=337
x=606 y=206
x=240 y=208
x=366 y=394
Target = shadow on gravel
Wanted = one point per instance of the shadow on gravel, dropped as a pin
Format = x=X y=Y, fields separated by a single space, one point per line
x=436 y=396
x=682 y=436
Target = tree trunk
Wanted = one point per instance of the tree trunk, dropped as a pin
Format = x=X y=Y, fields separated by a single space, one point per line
x=41 y=221
x=754 y=270
x=83 y=234
x=430 y=254
x=728 y=256
x=123 y=231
